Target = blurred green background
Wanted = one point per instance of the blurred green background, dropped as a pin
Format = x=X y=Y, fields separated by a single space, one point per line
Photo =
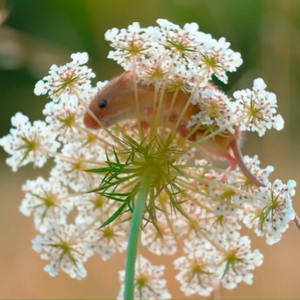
x=39 y=33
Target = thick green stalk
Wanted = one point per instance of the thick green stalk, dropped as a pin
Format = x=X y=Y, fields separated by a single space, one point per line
x=135 y=226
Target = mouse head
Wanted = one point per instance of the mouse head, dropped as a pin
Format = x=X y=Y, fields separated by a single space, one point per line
x=112 y=104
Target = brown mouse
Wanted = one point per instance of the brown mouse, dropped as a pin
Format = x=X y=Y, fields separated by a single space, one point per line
x=116 y=103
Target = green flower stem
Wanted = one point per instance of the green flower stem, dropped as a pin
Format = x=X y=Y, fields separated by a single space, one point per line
x=136 y=222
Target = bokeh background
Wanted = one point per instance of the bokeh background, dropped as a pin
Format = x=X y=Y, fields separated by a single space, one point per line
x=40 y=33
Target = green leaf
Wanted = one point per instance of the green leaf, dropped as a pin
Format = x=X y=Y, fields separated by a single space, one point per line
x=116 y=155
x=264 y=216
x=72 y=259
x=45 y=212
x=114 y=216
x=226 y=269
x=111 y=197
x=125 y=220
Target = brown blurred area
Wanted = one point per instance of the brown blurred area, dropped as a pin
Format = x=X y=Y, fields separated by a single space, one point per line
x=39 y=33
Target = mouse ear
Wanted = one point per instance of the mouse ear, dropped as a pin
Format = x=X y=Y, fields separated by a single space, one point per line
x=127 y=75
x=126 y=79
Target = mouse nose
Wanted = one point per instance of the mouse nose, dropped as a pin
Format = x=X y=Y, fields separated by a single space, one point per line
x=90 y=122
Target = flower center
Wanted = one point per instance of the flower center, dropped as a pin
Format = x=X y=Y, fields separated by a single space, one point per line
x=108 y=232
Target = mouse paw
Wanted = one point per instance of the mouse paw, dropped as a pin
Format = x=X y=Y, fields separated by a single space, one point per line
x=222 y=177
x=209 y=176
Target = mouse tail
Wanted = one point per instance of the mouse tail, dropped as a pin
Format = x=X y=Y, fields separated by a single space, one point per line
x=239 y=160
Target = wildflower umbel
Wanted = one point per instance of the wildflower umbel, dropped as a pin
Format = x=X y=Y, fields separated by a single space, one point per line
x=150 y=174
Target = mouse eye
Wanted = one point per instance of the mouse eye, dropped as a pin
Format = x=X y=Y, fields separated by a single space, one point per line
x=102 y=103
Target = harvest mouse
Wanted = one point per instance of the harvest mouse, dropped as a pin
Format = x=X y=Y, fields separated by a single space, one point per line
x=116 y=103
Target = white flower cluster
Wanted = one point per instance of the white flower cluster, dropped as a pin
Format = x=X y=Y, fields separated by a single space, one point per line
x=183 y=48
x=71 y=78
x=148 y=281
x=203 y=205
x=64 y=249
x=187 y=59
x=28 y=143
x=275 y=212
x=48 y=201
x=259 y=108
x=204 y=264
